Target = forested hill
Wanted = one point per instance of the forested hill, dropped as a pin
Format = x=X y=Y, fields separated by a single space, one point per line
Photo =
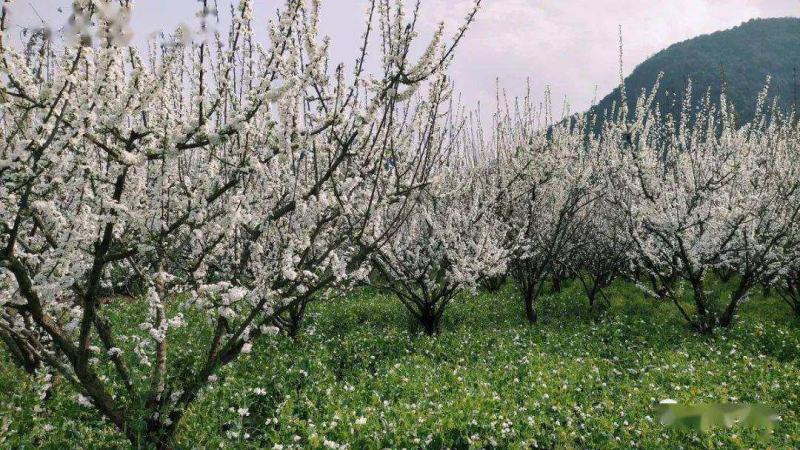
x=743 y=57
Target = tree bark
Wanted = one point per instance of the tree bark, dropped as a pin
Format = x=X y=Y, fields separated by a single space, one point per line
x=530 y=308
x=430 y=321
x=727 y=317
x=556 y=282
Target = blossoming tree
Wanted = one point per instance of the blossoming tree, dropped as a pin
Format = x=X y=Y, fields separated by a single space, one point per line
x=547 y=177
x=699 y=195
x=234 y=179
x=451 y=242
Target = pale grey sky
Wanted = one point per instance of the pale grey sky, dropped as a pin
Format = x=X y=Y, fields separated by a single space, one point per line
x=570 y=45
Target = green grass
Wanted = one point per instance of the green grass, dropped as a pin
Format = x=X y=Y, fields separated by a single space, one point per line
x=489 y=380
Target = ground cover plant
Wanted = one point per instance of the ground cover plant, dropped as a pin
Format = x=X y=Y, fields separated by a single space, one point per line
x=364 y=374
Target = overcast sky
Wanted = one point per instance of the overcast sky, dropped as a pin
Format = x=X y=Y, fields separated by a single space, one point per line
x=569 y=45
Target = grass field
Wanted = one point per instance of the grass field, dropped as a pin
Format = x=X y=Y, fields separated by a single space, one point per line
x=361 y=375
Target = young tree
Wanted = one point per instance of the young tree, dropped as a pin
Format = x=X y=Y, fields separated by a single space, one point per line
x=549 y=182
x=449 y=245
x=603 y=253
x=234 y=179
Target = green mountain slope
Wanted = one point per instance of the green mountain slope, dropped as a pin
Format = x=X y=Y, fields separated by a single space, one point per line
x=740 y=58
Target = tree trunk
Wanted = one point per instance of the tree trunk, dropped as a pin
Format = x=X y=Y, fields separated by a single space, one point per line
x=430 y=321
x=530 y=309
x=556 y=282
x=594 y=305
x=494 y=284
x=790 y=292
x=736 y=297
x=291 y=321
x=706 y=317
x=295 y=322
x=658 y=287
